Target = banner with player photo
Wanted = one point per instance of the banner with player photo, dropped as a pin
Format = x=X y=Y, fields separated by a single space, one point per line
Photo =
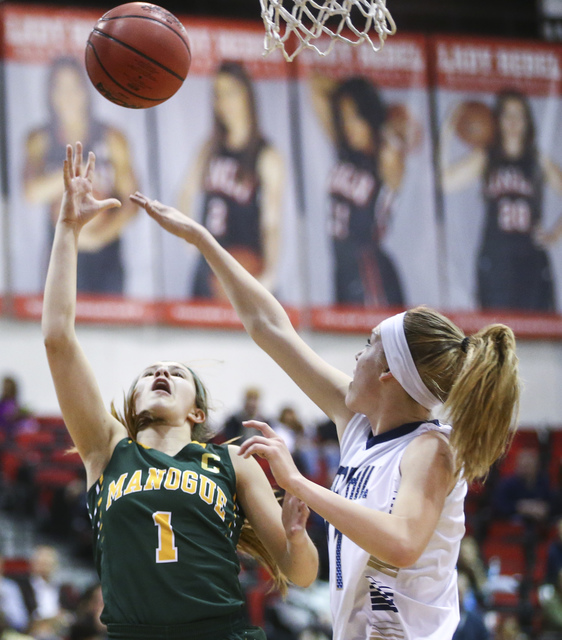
x=225 y=159
x=367 y=183
x=499 y=120
x=49 y=103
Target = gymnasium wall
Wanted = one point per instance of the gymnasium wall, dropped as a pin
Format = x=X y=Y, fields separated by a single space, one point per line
x=229 y=362
x=430 y=237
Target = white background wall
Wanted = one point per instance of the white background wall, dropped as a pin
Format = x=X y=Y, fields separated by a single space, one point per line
x=229 y=362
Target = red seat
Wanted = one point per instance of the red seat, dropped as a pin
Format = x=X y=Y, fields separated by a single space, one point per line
x=35 y=439
x=66 y=459
x=54 y=477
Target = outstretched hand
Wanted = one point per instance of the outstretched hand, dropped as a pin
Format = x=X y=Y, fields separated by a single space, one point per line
x=78 y=203
x=273 y=448
x=169 y=218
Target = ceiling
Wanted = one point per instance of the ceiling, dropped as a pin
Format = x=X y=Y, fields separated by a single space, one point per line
x=510 y=18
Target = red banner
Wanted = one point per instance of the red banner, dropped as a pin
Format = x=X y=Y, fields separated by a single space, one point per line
x=498 y=119
x=401 y=63
x=492 y=65
x=102 y=310
x=213 y=41
x=525 y=326
x=42 y=34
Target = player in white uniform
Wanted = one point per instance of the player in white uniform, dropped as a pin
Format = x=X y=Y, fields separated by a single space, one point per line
x=373 y=599
x=395 y=512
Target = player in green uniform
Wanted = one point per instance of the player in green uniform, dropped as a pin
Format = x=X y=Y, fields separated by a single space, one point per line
x=167 y=508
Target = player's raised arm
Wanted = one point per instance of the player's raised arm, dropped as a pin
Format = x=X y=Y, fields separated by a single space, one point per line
x=93 y=430
x=263 y=316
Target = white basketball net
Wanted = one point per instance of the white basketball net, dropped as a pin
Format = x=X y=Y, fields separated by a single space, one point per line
x=324 y=18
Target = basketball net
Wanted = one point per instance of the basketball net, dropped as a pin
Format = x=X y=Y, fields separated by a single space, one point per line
x=310 y=19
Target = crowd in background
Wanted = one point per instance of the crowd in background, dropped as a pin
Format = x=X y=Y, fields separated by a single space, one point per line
x=515 y=514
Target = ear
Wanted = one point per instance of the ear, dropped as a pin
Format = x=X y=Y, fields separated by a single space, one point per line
x=196 y=415
x=386 y=375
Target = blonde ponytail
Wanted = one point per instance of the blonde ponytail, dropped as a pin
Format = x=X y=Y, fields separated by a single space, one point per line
x=250 y=544
x=484 y=401
x=477 y=380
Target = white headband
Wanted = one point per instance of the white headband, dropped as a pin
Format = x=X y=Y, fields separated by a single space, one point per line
x=401 y=363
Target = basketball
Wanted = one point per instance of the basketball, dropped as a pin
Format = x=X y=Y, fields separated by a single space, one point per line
x=475 y=123
x=138 y=55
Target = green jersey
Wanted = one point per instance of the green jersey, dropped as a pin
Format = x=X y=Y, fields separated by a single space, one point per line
x=165 y=535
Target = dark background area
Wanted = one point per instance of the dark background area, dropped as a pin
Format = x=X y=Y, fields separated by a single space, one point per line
x=509 y=18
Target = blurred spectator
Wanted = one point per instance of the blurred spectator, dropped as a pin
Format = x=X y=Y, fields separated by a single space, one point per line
x=14 y=418
x=554 y=556
x=550 y=599
x=305 y=452
x=524 y=494
x=12 y=606
x=508 y=628
x=329 y=451
x=7 y=633
x=87 y=625
x=471 y=565
x=556 y=493
x=524 y=497
x=67 y=517
x=42 y=595
x=471 y=625
x=250 y=410
x=289 y=427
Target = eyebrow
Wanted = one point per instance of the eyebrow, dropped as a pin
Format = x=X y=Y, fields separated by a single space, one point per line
x=179 y=367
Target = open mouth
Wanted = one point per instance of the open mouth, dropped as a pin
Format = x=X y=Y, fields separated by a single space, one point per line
x=161 y=384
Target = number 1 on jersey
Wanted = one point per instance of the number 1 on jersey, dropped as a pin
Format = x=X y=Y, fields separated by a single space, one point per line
x=167 y=550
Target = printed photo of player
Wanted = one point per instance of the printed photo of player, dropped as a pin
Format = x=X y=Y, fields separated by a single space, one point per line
x=513 y=264
x=240 y=176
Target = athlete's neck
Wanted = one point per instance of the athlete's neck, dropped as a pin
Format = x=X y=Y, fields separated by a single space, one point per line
x=169 y=439
x=392 y=412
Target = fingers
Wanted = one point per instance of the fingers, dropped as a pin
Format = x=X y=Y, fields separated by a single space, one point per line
x=248 y=447
x=66 y=166
x=150 y=206
x=90 y=166
x=72 y=167
x=78 y=159
x=139 y=199
x=109 y=203
x=260 y=426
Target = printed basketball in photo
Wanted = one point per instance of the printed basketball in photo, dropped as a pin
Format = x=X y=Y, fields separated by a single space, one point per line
x=475 y=123
x=138 y=55
x=404 y=126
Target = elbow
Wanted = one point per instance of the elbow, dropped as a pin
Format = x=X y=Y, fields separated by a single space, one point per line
x=305 y=576
x=266 y=325
x=55 y=339
x=310 y=579
x=403 y=554
x=51 y=341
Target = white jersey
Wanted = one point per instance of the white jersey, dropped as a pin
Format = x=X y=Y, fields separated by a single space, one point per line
x=369 y=598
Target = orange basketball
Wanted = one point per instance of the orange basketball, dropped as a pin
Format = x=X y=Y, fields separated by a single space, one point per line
x=475 y=123
x=138 y=55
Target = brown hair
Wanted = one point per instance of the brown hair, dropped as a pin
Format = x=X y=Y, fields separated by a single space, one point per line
x=248 y=543
x=477 y=380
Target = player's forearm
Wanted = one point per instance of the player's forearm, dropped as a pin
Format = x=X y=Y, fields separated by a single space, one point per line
x=389 y=538
x=255 y=306
x=300 y=563
x=59 y=302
